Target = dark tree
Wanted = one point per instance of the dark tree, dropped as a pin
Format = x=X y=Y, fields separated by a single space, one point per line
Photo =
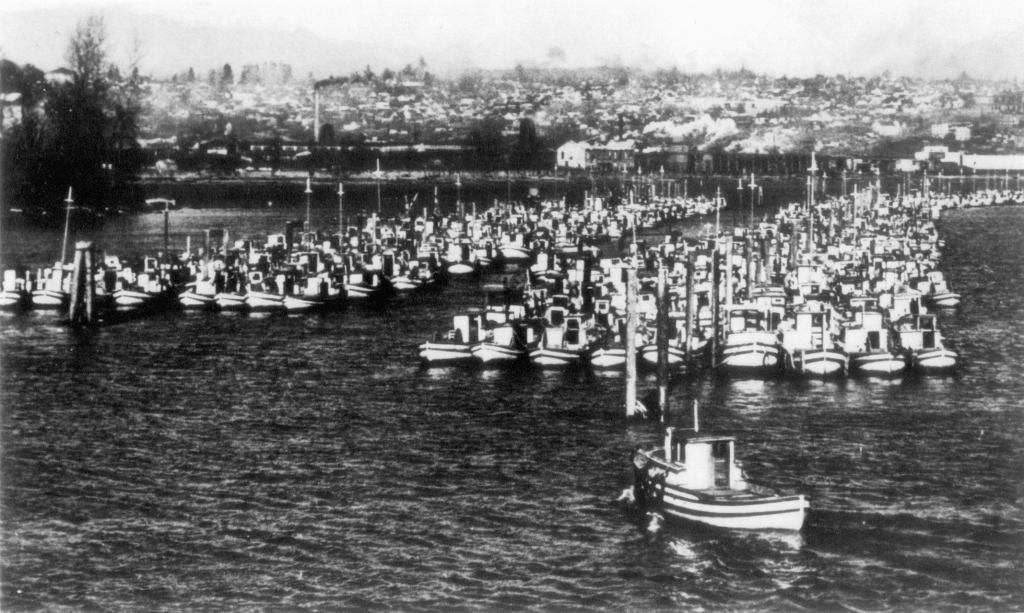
x=85 y=137
x=529 y=149
x=227 y=77
x=486 y=144
x=327 y=134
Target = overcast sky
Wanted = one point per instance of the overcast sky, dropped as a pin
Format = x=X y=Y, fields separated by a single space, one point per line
x=795 y=37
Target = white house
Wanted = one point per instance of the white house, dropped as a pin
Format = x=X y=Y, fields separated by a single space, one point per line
x=572 y=155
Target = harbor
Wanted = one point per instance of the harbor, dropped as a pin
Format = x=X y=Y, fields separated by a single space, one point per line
x=220 y=458
x=453 y=307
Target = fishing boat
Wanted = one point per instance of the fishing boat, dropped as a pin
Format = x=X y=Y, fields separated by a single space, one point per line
x=809 y=347
x=14 y=295
x=199 y=295
x=456 y=345
x=51 y=289
x=941 y=297
x=920 y=336
x=871 y=346
x=695 y=477
x=566 y=339
x=750 y=344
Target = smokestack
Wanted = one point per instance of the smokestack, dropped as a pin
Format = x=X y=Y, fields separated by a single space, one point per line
x=316 y=114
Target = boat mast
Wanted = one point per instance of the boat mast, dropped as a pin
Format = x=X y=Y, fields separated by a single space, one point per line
x=341 y=215
x=67 y=222
x=309 y=192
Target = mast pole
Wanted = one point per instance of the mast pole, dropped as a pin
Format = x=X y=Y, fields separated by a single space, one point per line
x=67 y=222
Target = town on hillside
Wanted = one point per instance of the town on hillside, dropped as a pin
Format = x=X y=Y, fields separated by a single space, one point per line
x=260 y=119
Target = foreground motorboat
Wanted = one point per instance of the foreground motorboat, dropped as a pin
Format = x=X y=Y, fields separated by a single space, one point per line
x=695 y=477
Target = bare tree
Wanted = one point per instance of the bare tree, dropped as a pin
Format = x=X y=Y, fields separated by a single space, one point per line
x=86 y=53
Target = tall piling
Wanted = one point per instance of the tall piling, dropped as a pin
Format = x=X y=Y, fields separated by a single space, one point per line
x=663 y=335
x=83 y=286
x=691 y=265
x=631 y=325
x=715 y=291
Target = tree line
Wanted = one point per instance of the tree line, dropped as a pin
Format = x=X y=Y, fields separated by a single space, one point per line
x=78 y=132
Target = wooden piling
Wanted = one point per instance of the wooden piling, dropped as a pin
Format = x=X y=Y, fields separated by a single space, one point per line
x=83 y=286
x=631 y=325
x=727 y=273
x=691 y=265
x=663 y=335
x=751 y=265
x=715 y=280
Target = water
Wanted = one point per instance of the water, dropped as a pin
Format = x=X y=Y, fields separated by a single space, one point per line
x=192 y=462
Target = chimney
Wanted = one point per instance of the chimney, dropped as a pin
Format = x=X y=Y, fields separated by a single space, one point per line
x=316 y=114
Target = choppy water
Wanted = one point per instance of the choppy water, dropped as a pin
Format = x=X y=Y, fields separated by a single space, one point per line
x=207 y=462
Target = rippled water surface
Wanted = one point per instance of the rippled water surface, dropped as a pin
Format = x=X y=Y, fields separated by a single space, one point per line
x=212 y=462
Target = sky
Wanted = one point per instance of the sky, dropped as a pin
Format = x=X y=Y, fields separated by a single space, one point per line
x=794 y=37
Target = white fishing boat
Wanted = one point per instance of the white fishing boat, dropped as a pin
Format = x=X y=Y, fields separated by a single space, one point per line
x=677 y=340
x=695 y=477
x=750 y=343
x=920 y=336
x=506 y=343
x=51 y=289
x=259 y=298
x=871 y=346
x=461 y=259
x=565 y=342
x=199 y=295
x=456 y=345
x=514 y=249
x=14 y=294
x=941 y=297
x=809 y=346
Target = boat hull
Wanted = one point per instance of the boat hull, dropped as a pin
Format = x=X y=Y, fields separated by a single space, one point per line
x=608 y=359
x=649 y=356
x=817 y=363
x=13 y=300
x=934 y=360
x=555 y=358
x=515 y=254
x=768 y=513
x=878 y=364
x=192 y=301
x=750 y=509
x=749 y=359
x=49 y=299
x=945 y=301
x=437 y=353
x=490 y=353
x=127 y=299
x=232 y=303
x=264 y=302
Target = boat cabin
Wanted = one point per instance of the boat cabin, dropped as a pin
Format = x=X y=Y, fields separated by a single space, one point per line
x=919 y=332
x=467 y=329
x=740 y=319
x=811 y=330
x=702 y=461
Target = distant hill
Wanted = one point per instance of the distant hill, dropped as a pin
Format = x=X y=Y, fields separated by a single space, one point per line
x=906 y=43
x=39 y=37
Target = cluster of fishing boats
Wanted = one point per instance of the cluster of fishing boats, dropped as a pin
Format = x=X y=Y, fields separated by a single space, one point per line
x=301 y=271
x=845 y=286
